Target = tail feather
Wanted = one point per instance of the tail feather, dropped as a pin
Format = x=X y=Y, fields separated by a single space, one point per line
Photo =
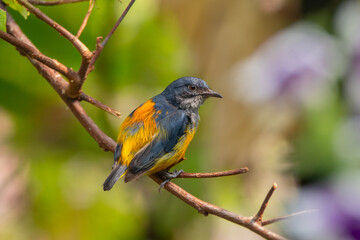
x=115 y=174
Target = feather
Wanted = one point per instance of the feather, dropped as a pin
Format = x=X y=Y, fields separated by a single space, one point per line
x=115 y=174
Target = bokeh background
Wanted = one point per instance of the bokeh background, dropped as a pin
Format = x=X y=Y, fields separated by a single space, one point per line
x=289 y=71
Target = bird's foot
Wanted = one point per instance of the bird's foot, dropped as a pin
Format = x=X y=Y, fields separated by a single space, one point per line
x=168 y=176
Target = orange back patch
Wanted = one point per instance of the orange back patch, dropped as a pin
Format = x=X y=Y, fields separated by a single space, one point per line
x=136 y=131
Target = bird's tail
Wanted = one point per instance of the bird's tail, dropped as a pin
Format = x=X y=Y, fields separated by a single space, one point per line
x=115 y=174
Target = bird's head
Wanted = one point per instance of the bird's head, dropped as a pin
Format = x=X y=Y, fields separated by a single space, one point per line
x=188 y=93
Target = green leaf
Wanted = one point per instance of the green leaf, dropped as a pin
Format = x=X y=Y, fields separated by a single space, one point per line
x=2 y=20
x=17 y=7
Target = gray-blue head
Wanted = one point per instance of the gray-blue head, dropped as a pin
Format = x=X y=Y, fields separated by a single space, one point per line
x=188 y=93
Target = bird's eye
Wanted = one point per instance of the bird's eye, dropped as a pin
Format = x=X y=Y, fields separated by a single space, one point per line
x=191 y=87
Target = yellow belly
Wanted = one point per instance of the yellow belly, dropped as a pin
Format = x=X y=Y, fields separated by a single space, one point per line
x=172 y=158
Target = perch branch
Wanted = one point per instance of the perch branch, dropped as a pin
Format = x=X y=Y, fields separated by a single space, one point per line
x=207 y=208
x=213 y=174
x=93 y=101
x=52 y=3
x=86 y=18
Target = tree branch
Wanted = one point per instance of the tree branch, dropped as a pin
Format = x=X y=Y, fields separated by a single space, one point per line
x=84 y=51
x=60 y=85
x=53 y=3
x=32 y=52
x=207 y=208
x=74 y=88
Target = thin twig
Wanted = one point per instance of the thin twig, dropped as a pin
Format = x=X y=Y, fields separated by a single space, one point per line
x=118 y=22
x=34 y=53
x=274 y=220
x=88 y=64
x=213 y=174
x=259 y=215
x=84 y=51
x=96 y=54
x=52 y=3
x=86 y=18
x=106 y=39
x=98 y=104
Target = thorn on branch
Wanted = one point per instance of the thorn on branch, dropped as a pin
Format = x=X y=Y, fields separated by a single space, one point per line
x=201 y=211
x=258 y=217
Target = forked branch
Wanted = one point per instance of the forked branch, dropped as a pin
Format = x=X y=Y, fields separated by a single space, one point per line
x=84 y=51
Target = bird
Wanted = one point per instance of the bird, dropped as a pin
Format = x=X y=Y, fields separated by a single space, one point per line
x=156 y=135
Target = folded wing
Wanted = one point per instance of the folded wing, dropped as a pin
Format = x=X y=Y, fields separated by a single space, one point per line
x=170 y=129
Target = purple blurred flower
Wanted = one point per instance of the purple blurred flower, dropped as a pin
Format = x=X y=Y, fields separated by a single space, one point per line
x=297 y=64
x=338 y=205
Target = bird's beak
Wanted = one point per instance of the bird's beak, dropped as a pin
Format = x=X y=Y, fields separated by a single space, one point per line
x=211 y=93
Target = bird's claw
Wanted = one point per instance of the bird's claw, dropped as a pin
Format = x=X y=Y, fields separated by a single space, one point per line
x=163 y=184
x=168 y=176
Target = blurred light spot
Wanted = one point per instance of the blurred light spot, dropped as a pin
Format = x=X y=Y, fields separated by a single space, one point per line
x=298 y=65
x=79 y=184
x=347 y=140
x=347 y=22
x=6 y=125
